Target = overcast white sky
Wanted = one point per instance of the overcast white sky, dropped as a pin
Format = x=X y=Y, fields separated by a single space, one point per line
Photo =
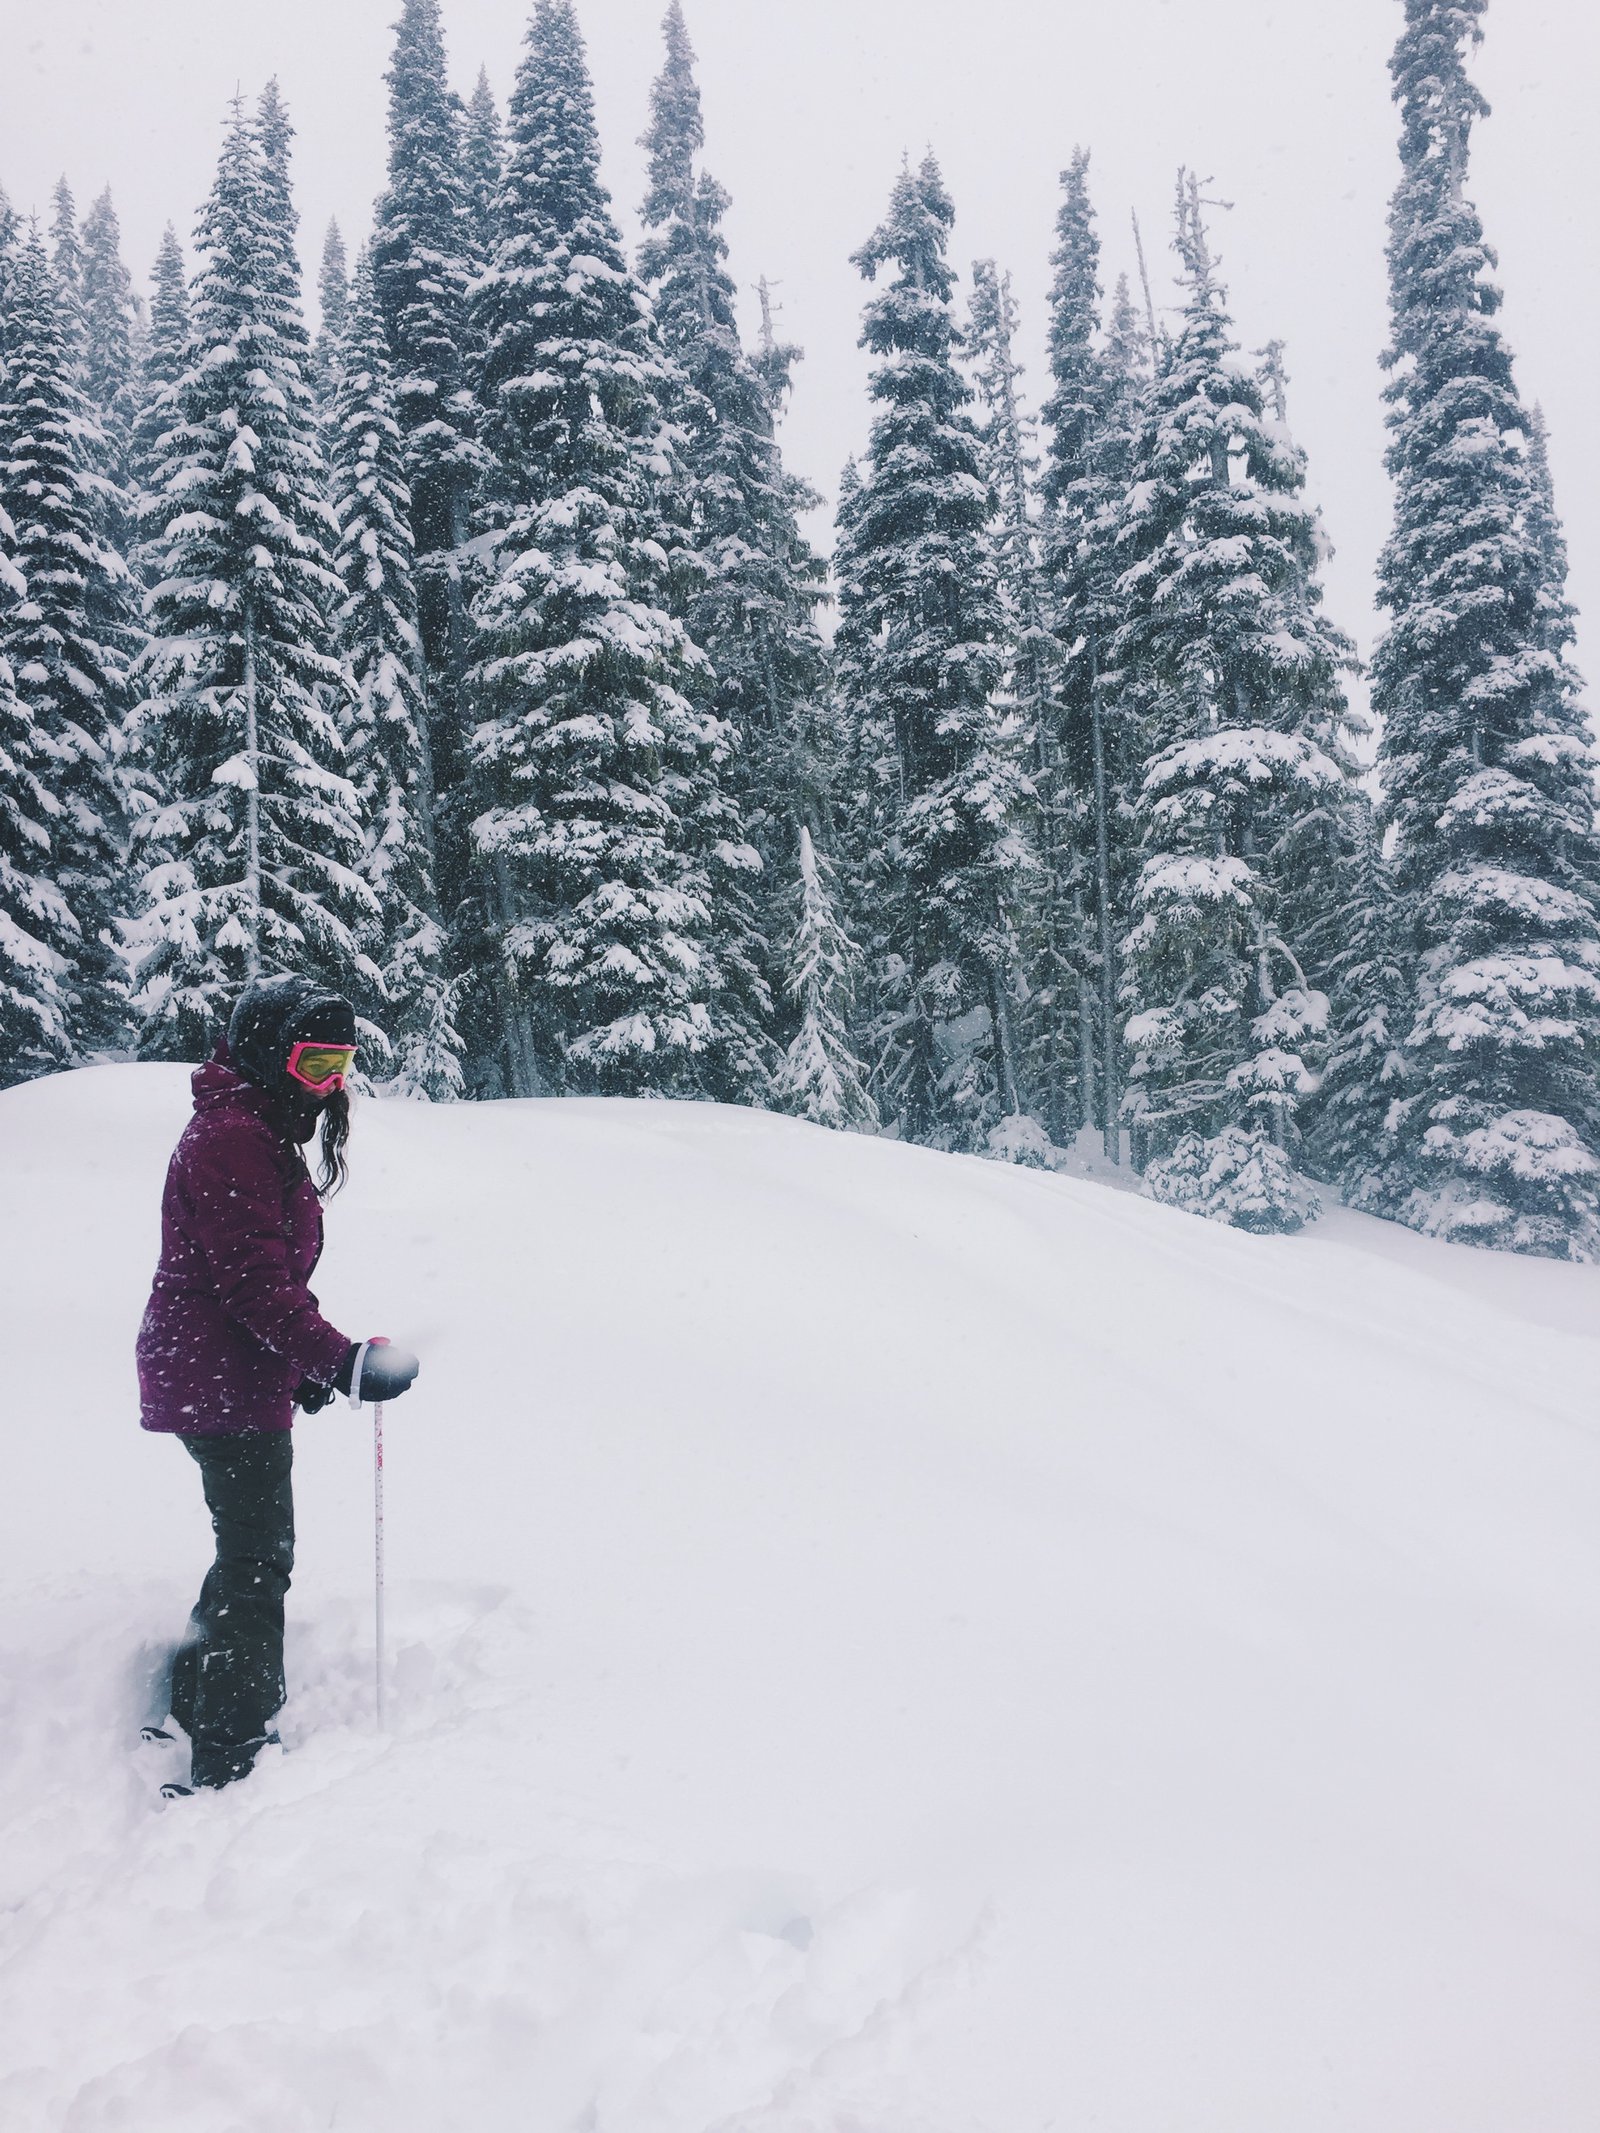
x=809 y=105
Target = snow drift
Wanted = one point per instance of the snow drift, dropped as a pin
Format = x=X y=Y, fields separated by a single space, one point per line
x=881 y=1641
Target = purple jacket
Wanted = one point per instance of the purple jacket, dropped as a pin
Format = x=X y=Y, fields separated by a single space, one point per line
x=231 y=1328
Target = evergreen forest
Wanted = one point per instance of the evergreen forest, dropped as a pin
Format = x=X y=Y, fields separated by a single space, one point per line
x=472 y=653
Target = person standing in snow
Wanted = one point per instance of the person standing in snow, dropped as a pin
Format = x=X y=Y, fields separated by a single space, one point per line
x=232 y=1342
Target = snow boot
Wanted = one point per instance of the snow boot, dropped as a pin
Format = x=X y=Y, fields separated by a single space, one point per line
x=164 y=1758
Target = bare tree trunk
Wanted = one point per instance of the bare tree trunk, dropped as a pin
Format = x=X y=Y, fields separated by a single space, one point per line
x=1088 y=1094
x=521 y=1062
x=1005 y=1040
x=425 y=777
x=1277 y=379
x=458 y=615
x=1149 y=300
x=1268 y=993
x=252 y=802
x=1111 y=1094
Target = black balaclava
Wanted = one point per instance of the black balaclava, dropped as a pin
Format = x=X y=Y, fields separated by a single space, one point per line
x=275 y=1014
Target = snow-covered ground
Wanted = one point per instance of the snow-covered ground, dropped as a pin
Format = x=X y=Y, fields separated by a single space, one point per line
x=883 y=1643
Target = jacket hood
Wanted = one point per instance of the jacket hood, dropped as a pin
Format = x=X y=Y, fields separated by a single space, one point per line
x=217 y=1083
x=218 y=1087
x=272 y=1014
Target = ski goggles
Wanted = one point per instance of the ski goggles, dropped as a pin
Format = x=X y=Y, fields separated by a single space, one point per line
x=321 y=1068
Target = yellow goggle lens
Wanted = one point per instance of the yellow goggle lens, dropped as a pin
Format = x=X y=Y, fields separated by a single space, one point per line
x=322 y=1062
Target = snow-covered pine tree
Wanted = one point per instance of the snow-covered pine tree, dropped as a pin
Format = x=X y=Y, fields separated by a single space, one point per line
x=1093 y=746
x=1073 y=411
x=387 y=730
x=1237 y=1176
x=1071 y=952
x=1008 y=435
x=751 y=606
x=10 y=233
x=111 y=392
x=282 y=297
x=333 y=291
x=91 y=285
x=164 y=360
x=250 y=860
x=1317 y=845
x=1107 y=735
x=39 y=937
x=1129 y=351
x=483 y=150
x=600 y=773
x=1238 y=676
x=1544 y=523
x=64 y=638
x=280 y=222
x=920 y=655
x=820 y=1077
x=1358 y=942
x=424 y=255
x=275 y=134
x=66 y=261
x=108 y=328
x=1486 y=756
x=863 y=767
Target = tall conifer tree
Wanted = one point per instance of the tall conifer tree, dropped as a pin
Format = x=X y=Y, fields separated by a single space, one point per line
x=1237 y=674
x=483 y=151
x=280 y=221
x=108 y=314
x=39 y=936
x=110 y=390
x=751 y=606
x=1544 y=523
x=164 y=360
x=1486 y=757
x=275 y=133
x=1011 y=464
x=1055 y=1033
x=333 y=291
x=387 y=729
x=64 y=638
x=1093 y=744
x=920 y=664
x=1073 y=410
x=10 y=232
x=424 y=255
x=1359 y=941
x=66 y=260
x=251 y=858
x=601 y=771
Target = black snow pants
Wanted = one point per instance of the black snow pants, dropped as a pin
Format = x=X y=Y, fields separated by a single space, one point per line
x=227 y=1676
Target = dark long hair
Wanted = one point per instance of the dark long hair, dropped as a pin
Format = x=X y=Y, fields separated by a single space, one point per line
x=334 y=1169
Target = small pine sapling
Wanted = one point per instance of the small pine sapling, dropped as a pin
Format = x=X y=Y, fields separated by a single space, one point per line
x=820 y=1077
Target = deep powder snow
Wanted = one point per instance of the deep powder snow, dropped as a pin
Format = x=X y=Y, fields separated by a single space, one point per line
x=882 y=1643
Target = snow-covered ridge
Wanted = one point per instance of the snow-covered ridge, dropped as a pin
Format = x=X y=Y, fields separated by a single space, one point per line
x=883 y=1641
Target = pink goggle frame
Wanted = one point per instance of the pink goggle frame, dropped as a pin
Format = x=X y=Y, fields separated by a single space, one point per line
x=321 y=1068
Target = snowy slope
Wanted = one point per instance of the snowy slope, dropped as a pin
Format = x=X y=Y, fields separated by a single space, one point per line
x=884 y=1644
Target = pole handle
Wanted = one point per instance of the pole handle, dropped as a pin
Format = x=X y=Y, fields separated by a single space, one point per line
x=378 y=1340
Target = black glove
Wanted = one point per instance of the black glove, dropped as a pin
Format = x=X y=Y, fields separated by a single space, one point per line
x=386 y=1371
x=310 y=1397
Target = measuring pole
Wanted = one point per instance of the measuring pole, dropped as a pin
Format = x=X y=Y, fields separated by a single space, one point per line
x=378 y=1341
x=377 y=1540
